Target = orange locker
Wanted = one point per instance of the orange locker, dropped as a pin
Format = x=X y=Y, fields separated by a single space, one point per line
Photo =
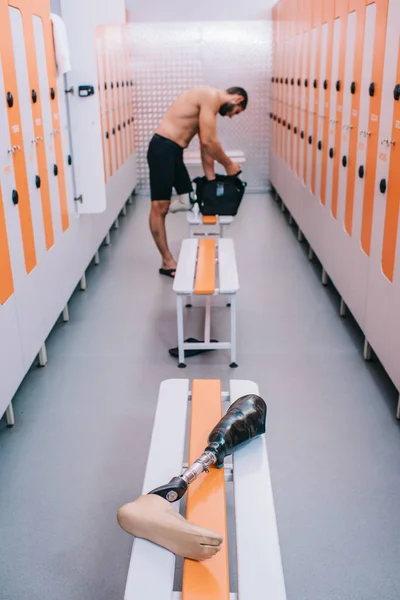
x=319 y=49
x=328 y=86
x=308 y=65
x=6 y=278
x=101 y=90
x=41 y=8
x=21 y=193
x=373 y=133
x=391 y=227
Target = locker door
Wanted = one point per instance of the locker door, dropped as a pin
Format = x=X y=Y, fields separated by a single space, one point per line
x=360 y=8
x=322 y=93
x=16 y=145
x=291 y=73
x=320 y=58
x=390 y=236
x=106 y=88
x=22 y=8
x=49 y=135
x=328 y=85
x=383 y=312
x=125 y=88
x=284 y=79
x=119 y=93
x=303 y=100
x=373 y=143
x=296 y=103
x=308 y=87
x=22 y=51
x=84 y=109
x=350 y=85
x=342 y=8
x=313 y=93
x=101 y=90
x=6 y=278
x=353 y=217
x=337 y=36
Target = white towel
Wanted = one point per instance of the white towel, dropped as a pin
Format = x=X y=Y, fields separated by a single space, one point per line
x=61 y=46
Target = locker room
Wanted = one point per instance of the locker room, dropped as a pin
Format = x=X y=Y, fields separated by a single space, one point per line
x=142 y=456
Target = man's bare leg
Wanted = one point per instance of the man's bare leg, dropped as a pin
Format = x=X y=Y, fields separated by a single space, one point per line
x=159 y=210
x=155 y=519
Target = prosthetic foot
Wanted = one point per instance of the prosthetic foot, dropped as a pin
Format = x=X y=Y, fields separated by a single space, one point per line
x=153 y=518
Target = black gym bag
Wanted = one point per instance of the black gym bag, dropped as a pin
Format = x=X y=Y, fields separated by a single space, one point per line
x=222 y=196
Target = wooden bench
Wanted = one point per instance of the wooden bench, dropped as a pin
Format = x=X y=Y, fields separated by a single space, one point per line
x=206 y=267
x=259 y=565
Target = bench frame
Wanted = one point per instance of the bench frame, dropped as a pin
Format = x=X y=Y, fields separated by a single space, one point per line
x=184 y=288
x=151 y=571
x=207 y=229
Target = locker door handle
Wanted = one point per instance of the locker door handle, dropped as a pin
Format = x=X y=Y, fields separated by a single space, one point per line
x=396 y=92
x=310 y=139
x=344 y=161
x=289 y=126
x=286 y=81
x=306 y=82
x=15 y=197
x=292 y=81
x=353 y=87
x=281 y=79
x=34 y=96
x=325 y=84
x=331 y=152
x=52 y=93
x=295 y=130
x=361 y=172
x=382 y=186
x=284 y=123
x=338 y=86
x=270 y=116
x=372 y=89
x=315 y=84
x=37 y=181
x=10 y=99
x=55 y=170
x=69 y=160
x=319 y=145
x=85 y=90
x=272 y=79
x=107 y=135
x=302 y=135
x=299 y=82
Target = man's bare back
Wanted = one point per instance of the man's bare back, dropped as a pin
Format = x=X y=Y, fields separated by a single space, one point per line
x=181 y=121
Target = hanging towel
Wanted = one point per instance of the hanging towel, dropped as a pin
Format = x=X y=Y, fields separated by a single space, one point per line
x=61 y=47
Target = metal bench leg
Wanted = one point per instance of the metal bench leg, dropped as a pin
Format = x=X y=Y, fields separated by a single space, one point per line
x=130 y=200
x=10 y=416
x=179 y=315
x=43 y=356
x=83 y=282
x=107 y=240
x=299 y=235
x=233 y=364
x=324 y=277
x=367 y=350
x=65 y=314
x=310 y=253
x=123 y=211
x=189 y=303
x=398 y=409
x=97 y=258
x=343 y=310
x=116 y=223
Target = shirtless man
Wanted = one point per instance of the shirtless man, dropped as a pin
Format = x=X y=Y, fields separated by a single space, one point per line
x=194 y=112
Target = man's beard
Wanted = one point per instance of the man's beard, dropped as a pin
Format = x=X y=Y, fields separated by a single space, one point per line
x=226 y=109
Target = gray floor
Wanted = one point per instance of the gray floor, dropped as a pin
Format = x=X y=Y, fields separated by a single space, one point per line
x=79 y=447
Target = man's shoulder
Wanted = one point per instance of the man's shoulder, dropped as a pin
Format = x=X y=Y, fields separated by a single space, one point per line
x=205 y=94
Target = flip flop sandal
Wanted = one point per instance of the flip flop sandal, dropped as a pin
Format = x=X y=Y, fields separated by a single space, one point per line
x=187 y=353
x=168 y=272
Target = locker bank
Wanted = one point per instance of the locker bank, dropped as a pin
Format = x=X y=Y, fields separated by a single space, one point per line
x=229 y=431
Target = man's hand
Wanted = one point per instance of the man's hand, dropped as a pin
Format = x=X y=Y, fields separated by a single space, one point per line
x=233 y=168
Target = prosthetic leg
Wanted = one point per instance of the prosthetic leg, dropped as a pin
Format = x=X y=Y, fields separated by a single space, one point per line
x=152 y=517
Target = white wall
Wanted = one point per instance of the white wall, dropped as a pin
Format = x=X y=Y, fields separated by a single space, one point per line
x=205 y=10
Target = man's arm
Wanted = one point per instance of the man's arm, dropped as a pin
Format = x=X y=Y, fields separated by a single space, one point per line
x=208 y=135
x=208 y=164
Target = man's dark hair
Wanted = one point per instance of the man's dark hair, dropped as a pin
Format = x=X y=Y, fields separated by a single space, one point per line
x=240 y=92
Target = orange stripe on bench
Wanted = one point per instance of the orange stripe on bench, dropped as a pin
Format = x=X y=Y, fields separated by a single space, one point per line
x=205 y=272
x=209 y=220
x=208 y=580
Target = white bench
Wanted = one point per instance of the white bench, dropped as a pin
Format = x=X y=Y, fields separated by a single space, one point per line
x=206 y=267
x=200 y=225
x=259 y=565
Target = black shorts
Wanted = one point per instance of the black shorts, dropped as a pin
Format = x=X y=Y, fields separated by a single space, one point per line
x=167 y=169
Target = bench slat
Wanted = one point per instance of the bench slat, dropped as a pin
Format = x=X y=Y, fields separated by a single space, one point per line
x=206 y=505
x=258 y=550
x=205 y=272
x=185 y=272
x=151 y=570
x=228 y=274
x=209 y=220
